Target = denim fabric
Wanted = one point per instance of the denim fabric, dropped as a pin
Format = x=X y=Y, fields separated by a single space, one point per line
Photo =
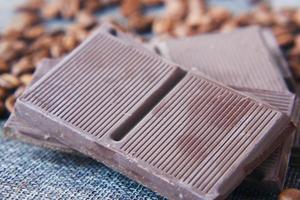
x=30 y=172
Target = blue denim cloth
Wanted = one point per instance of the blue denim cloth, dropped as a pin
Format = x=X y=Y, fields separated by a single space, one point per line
x=30 y=172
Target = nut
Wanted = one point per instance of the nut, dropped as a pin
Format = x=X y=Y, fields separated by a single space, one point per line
x=296 y=17
x=131 y=7
x=176 y=9
x=51 y=10
x=285 y=40
x=85 y=19
x=12 y=34
x=229 y=26
x=69 y=42
x=281 y=19
x=91 y=5
x=2 y=109
x=24 y=65
x=140 y=23
x=152 y=2
x=3 y=66
x=110 y=2
x=31 y=6
x=219 y=15
x=33 y=32
x=3 y=93
x=297 y=41
x=294 y=53
x=207 y=24
x=289 y=194
x=244 y=19
x=181 y=30
x=279 y=30
x=24 y=20
x=163 y=25
x=9 y=81
x=69 y=8
x=295 y=66
x=39 y=55
x=197 y=9
x=9 y=50
x=77 y=31
x=263 y=16
x=57 y=50
x=26 y=79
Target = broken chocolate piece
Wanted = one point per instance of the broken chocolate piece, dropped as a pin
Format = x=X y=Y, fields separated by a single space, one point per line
x=199 y=141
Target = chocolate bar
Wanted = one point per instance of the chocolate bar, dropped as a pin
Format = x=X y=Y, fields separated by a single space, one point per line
x=253 y=60
x=239 y=59
x=272 y=172
x=181 y=134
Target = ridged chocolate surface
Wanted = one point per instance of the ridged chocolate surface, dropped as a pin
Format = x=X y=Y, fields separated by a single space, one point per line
x=100 y=87
x=199 y=132
x=284 y=101
x=240 y=58
x=273 y=169
x=199 y=141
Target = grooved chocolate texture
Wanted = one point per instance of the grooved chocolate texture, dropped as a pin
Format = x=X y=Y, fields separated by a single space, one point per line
x=199 y=141
x=273 y=170
x=103 y=87
x=240 y=58
x=248 y=57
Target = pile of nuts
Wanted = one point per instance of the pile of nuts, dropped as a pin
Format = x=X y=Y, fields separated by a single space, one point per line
x=28 y=40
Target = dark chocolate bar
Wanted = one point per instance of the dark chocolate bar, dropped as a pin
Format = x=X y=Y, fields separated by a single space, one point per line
x=181 y=134
x=272 y=172
x=239 y=59
x=246 y=57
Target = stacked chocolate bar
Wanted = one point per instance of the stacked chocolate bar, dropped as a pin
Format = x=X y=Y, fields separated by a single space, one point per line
x=250 y=61
x=191 y=126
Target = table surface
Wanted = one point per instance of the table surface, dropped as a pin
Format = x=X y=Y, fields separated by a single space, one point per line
x=30 y=172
